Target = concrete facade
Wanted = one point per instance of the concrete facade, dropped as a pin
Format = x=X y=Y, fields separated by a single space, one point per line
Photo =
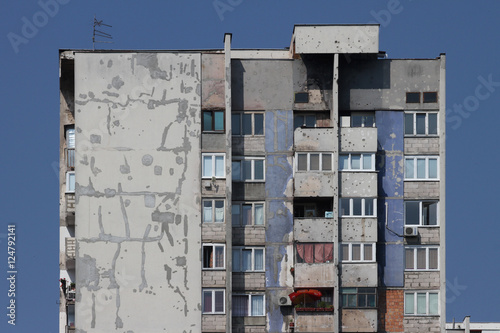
x=200 y=188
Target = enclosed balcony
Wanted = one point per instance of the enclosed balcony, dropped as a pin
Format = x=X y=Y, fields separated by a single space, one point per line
x=314 y=139
x=70 y=252
x=314 y=266
x=314 y=219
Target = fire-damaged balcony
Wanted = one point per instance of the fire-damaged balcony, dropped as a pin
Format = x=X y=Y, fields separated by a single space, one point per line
x=314 y=219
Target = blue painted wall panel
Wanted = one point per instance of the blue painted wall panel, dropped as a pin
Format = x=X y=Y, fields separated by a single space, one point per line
x=279 y=131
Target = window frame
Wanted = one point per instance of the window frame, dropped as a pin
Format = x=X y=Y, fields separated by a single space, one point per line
x=361 y=169
x=304 y=123
x=421 y=213
x=252 y=203
x=308 y=161
x=240 y=250
x=427 y=302
x=358 y=294
x=213 y=246
x=414 y=122
x=350 y=260
x=240 y=159
x=69 y=175
x=427 y=158
x=214 y=172
x=213 y=291
x=297 y=256
x=363 y=116
x=427 y=258
x=213 y=200
x=252 y=114
x=363 y=207
x=263 y=295
x=213 y=130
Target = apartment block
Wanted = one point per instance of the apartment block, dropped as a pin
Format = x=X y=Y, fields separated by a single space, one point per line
x=254 y=190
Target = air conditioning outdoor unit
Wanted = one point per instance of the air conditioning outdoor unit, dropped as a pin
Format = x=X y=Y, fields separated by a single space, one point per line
x=284 y=300
x=411 y=231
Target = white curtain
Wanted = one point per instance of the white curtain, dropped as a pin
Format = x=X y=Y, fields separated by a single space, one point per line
x=257 y=305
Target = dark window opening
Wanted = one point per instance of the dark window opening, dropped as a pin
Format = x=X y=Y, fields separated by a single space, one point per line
x=213 y=121
x=317 y=207
x=430 y=97
x=302 y=97
x=412 y=97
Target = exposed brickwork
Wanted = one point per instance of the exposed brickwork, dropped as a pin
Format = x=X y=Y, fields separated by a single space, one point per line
x=249 y=281
x=426 y=235
x=248 y=329
x=421 y=324
x=70 y=203
x=421 y=146
x=213 y=323
x=421 y=190
x=391 y=310
x=249 y=236
x=214 y=279
x=213 y=232
x=422 y=280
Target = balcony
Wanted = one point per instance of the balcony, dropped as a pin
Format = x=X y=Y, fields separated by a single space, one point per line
x=314 y=321
x=314 y=139
x=315 y=184
x=70 y=252
x=356 y=139
x=359 y=320
x=70 y=208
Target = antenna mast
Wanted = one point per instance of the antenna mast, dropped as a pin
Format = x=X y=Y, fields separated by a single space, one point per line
x=98 y=33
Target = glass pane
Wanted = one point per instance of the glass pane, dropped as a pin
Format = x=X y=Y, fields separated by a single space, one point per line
x=351 y=301
x=409 y=259
x=356 y=252
x=433 y=168
x=356 y=207
x=432 y=119
x=326 y=162
x=362 y=301
x=349 y=290
x=298 y=121
x=345 y=252
x=207 y=166
x=259 y=169
x=70 y=138
x=429 y=213
x=219 y=120
x=409 y=168
x=208 y=257
x=433 y=258
x=412 y=214
x=420 y=168
x=420 y=123
x=257 y=305
x=369 y=121
x=219 y=257
x=259 y=124
x=259 y=214
x=344 y=162
x=207 y=301
x=247 y=170
x=421 y=303
x=235 y=212
x=369 y=211
x=302 y=162
x=433 y=303
x=314 y=162
x=259 y=259
x=235 y=170
x=71 y=182
x=367 y=161
x=219 y=301
x=246 y=260
x=219 y=211
x=368 y=252
x=235 y=123
x=310 y=121
x=207 y=211
x=410 y=303
x=219 y=166
x=345 y=209
x=207 y=121
x=371 y=301
x=247 y=214
x=408 y=123
x=240 y=305
x=356 y=121
x=421 y=259
x=355 y=161
x=247 y=124
x=236 y=260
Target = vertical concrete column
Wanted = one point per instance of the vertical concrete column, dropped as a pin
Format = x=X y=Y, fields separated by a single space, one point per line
x=334 y=116
x=442 y=188
x=229 y=227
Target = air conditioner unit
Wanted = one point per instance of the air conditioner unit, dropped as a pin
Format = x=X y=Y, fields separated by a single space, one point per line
x=411 y=231
x=284 y=300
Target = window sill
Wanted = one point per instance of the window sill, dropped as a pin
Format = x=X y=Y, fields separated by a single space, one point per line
x=421 y=180
x=213 y=132
x=422 y=226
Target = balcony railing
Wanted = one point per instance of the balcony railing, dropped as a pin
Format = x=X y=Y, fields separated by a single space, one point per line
x=70 y=248
x=70 y=158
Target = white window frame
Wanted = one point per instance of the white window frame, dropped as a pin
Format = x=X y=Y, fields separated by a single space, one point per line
x=252 y=172
x=362 y=252
x=250 y=303
x=213 y=246
x=427 y=249
x=70 y=174
x=252 y=114
x=420 y=213
x=308 y=168
x=426 y=113
x=241 y=204
x=240 y=249
x=213 y=210
x=213 y=300
x=361 y=169
x=363 y=116
x=213 y=175
x=426 y=176
x=363 y=207
x=427 y=302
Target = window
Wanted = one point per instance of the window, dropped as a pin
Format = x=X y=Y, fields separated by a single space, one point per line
x=422 y=303
x=304 y=120
x=317 y=207
x=421 y=258
x=314 y=161
x=248 y=259
x=301 y=97
x=421 y=123
x=213 y=165
x=357 y=162
x=412 y=97
x=248 y=169
x=430 y=97
x=213 y=211
x=314 y=253
x=247 y=123
x=248 y=305
x=70 y=182
x=358 y=252
x=213 y=301
x=352 y=207
x=70 y=137
x=421 y=168
x=213 y=121
x=362 y=120
x=423 y=213
x=247 y=214
x=359 y=297
x=213 y=256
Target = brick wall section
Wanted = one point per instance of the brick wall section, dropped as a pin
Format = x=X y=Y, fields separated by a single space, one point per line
x=391 y=310
x=213 y=232
x=426 y=236
x=213 y=323
x=422 y=280
x=421 y=146
x=249 y=236
x=249 y=281
x=248 y=329
x=421 y=324
x=213 y=279
x=421 y=190
x=70 y=203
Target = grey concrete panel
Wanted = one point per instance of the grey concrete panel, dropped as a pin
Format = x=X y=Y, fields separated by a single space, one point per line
x=314 y=229
x=249 y=235
x=421 y=190
x=359 y=275
x=243 y=145
x=213 y=188
x=358 y=184
x=314 y=322
x=315 y=275
x=359 y=229
x=358 y=139
x=213 y=278
x=213 y=232
x=248 y=281
x=212 y=81
x=213 y=323
x=213 y=142
x=315 y=184
x=359 y=320
x=418 y=324
x=248 y=191
x=314 y=139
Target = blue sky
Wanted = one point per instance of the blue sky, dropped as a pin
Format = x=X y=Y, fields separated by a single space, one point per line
x=466 y=31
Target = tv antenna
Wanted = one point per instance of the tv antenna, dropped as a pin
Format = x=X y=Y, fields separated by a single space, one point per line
x=99 y=33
